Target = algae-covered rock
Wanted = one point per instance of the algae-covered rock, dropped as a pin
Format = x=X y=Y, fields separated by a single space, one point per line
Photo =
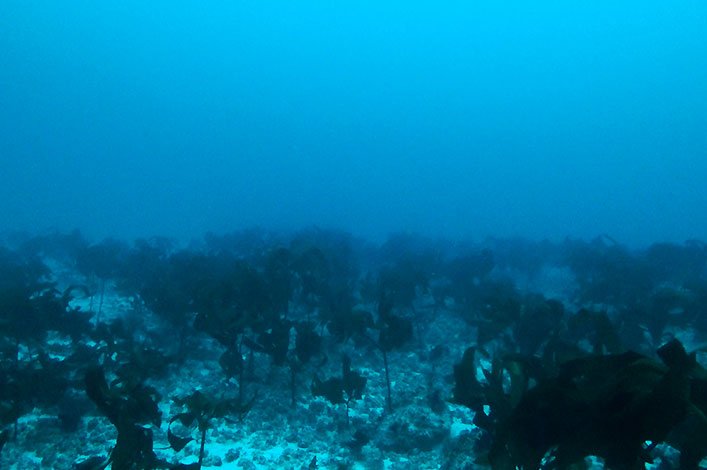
x=413 y=428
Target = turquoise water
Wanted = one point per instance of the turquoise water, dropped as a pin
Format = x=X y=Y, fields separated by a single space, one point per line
x=455 y=119
x=353 y=234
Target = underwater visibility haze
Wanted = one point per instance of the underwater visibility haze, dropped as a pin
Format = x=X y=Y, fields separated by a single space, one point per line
x=353 y=235
x=535 y=119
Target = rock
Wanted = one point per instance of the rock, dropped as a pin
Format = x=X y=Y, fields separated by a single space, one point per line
x=459 y=453
x=413 y=428
x=213 y=461
x=232 y=455
x=246 y=464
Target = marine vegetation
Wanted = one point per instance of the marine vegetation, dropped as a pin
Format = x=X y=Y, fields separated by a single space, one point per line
x=201 y=410
x=563 y=351
x=342 y=389
x=615 y=406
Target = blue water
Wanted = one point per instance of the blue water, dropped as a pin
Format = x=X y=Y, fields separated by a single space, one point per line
x=539 y=119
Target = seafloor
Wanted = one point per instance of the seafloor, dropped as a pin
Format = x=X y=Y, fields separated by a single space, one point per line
x=425 y=427
x=274 y=434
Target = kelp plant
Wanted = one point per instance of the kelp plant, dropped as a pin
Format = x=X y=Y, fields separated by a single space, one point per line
x=609 y=406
